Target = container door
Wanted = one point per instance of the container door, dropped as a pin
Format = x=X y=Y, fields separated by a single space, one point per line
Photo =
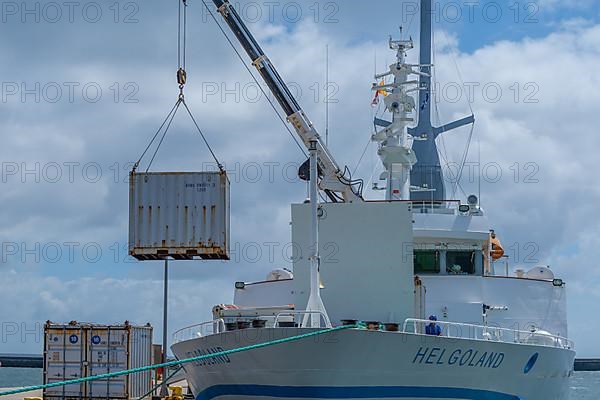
x=140 y=355
x=107 y=352
x=64 y=360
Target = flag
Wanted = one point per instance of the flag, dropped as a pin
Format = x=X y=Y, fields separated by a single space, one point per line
x=381 y=92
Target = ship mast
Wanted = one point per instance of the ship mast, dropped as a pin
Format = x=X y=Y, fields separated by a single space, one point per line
x=426 y=178
x=395 y=144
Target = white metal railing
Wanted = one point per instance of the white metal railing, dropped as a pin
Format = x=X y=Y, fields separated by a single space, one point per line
x=481 y=332
x=199 y=330
x=218 y=325
x=455 y=330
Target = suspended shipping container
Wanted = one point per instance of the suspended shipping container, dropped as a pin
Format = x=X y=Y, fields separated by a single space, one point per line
x=179 y=215
x=77 y=350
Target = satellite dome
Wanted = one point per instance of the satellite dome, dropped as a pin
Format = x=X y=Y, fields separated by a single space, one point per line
x=279 y=274
x=540 y=273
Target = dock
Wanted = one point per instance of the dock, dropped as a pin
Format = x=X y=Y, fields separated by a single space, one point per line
x=587 y=364
x=21 y=361
x=21 y=396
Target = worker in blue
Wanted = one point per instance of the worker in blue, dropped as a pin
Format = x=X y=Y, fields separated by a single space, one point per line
x=433 y=328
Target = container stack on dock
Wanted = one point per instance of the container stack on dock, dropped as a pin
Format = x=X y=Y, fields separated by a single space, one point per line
x=76 y=350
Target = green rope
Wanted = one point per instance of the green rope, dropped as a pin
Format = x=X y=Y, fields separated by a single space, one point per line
x=179 y=362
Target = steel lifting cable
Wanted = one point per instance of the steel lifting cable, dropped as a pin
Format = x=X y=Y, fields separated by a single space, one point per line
x=179 y=101
x=184 y=2
x=179 y=35
x=181 y=81
x=360 y=325
x=181 y=49
x=202 y=134
x=286 y=126
x=136 y=165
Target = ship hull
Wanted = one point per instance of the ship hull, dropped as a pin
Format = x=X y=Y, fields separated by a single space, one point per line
x=360 y=364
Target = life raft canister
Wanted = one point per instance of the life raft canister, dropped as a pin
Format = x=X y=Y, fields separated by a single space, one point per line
x=497 y=251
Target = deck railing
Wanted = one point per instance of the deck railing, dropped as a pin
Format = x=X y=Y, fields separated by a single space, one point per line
x=199 y=330
x=491 y=333
x=456 y=330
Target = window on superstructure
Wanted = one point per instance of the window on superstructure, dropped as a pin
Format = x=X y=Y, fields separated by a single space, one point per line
x=427 y=262
x=460 y=262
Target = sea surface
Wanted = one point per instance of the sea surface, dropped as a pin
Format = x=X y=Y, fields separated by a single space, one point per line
x=584 y=385
x=17 y=377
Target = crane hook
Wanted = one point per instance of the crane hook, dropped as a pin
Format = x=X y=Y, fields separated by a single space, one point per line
x=181 y=80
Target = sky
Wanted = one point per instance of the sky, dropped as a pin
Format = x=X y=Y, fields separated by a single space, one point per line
x=86 y=84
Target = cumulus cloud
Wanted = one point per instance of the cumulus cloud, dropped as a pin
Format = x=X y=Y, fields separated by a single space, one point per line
x=35 y=299
x=534 y=100
x=541 y=133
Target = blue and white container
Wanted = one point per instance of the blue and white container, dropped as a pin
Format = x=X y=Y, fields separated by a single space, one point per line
x=76 y=350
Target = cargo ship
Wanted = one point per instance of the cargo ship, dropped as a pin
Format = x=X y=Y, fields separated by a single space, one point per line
x=440 y=317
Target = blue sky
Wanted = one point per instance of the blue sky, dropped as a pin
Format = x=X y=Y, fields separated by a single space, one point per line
x=67 y=148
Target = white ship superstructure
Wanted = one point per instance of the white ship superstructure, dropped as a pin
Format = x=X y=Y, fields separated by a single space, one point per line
x=390 y=264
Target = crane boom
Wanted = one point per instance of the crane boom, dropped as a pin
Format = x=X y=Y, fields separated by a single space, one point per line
x=333 y=178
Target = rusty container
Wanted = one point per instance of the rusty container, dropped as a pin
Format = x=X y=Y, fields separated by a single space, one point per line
x=179 y=215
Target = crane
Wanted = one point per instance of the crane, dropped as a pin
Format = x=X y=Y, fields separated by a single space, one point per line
x=335 y=182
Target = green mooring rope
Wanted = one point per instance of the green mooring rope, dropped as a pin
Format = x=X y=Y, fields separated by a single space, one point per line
x=179 y=362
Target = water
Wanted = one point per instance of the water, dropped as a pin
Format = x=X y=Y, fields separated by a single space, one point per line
x=16 y=377
x=584 y=385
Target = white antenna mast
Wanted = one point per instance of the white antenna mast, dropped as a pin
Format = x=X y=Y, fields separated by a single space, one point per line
x=479 y=170
x=315 y=310
x=375 y=62
x=395 y=143
x=327 y=95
